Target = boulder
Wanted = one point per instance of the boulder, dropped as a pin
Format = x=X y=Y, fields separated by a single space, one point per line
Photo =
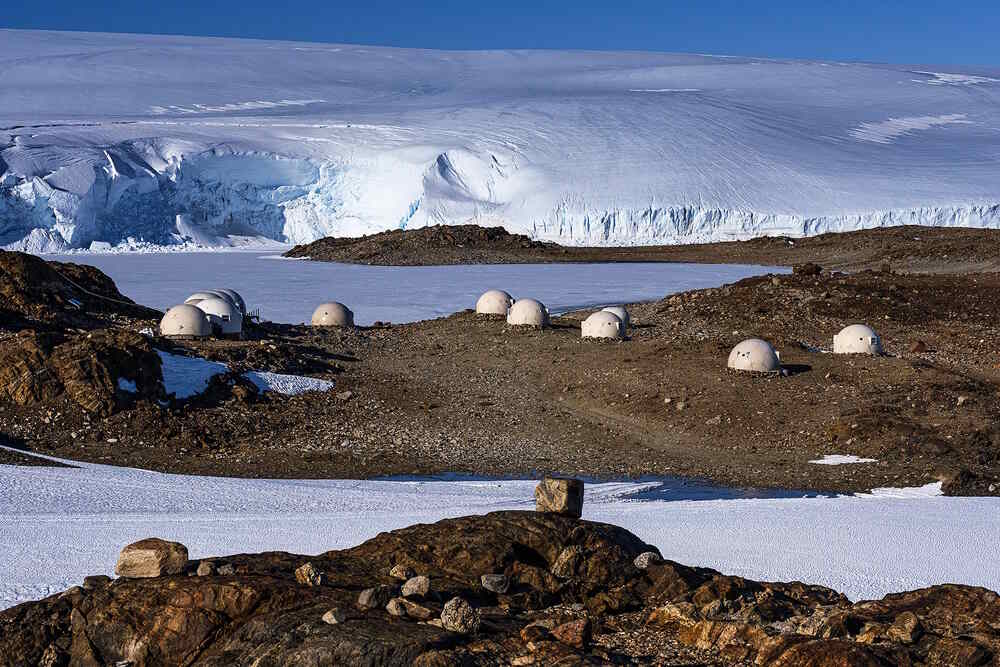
x=334 y=616
x=96 y=581
x=309 y=575
x=401 y=572
x=376 y=597
x=495 y=583
x=151 y=557
x=395 y=607
x=460 y=616
x=574 y=633
x=645 y=559
x=560 y=496
x=417 y=587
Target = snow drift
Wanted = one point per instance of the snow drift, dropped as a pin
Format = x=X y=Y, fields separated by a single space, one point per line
x=158 y=142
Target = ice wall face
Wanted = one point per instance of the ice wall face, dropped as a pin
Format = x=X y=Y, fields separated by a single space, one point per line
x=595 y=148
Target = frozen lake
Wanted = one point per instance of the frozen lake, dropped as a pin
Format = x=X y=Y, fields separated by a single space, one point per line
x=289 y=290
x=59 y=524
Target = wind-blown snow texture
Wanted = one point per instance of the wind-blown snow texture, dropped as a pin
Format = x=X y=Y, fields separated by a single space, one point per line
x=59 y=524
x=141 y=141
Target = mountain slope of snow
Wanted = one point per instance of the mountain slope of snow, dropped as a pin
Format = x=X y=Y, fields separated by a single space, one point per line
x=174 y=141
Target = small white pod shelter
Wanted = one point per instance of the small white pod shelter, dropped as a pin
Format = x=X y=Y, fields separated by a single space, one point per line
x=185 y=321
x=528 y=312
x=222 y=314
x=233 y=296
x=857 y=339
x=622 y=315
x=494 y=302
x=603 y=324
x=200 y=296
x=333 y=314
x=754 y=356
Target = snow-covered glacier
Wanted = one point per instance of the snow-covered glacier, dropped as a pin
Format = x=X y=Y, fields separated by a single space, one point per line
x=153 y=142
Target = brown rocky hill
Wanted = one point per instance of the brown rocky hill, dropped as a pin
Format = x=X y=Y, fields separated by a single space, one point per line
x=441 y=244
x=909 y=249
x=35 y=293
x=560 y=591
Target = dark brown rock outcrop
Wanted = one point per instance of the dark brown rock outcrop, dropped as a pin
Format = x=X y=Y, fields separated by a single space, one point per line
x=608 y=611
x=35 y=293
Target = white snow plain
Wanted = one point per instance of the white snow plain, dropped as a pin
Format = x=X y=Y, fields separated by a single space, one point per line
x=289 y=291
x=59 y=524
x=142 y=142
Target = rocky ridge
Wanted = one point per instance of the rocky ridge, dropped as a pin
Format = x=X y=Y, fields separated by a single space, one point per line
x=579 y=593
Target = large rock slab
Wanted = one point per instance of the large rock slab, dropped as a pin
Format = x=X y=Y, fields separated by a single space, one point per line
x=560 y=496
x=151 y=557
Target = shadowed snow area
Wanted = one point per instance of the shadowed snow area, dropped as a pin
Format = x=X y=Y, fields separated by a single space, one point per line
x=140 y=142
x=60 y=524
x=288 y=290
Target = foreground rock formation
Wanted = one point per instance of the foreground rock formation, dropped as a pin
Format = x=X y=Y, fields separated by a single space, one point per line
x=579 y=593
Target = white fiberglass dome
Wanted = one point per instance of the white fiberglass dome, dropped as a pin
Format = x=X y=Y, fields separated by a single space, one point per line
x=603 y=324
x=333 y=314
x=528 y=312
x=494 y=302
x=857 y=339
x=621 y=313
x=185 y=321
x=754 y=355
x=223 y=314
x=200 y=296
x=234 y=296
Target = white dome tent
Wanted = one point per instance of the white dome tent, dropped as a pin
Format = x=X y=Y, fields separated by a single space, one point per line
x=754 y=356
x=857 y=339
x=223 y=315
x=333 y=314
x=185 y=321
x=233 y=296
x=528 y=312
x=622 y=315
x=494 y=302
x=602 y=324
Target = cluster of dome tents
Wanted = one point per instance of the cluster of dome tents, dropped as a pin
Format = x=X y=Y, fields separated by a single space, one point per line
x=215 y=312
x=755 y=355
x=220 y=313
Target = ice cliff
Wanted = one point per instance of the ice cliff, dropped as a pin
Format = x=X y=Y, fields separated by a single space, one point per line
x=147 y=142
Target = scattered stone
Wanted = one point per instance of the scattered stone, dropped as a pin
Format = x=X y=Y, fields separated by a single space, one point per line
x=962 y=400
x=714 y=421
x=495 y=583
x=151 y=557
x=334 y=616
x=401 y=572
x=535 y=632
x=560 y=495
x=680 y=406
x=377 y=597
x=206 y=568
x=918 y=347
x=906 y=629
x=308 y=575
x=575 y=633
x=95 y=581
x=567 y=562
x=807 y=269
x=395 y=607
x=416 y=610
x=417 y=586
x=459 y=616
x=71 y=591
x=344 y=396
x=226 y=569
x=646 y=558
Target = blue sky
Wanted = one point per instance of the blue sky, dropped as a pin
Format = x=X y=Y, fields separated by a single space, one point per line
x=918 y=31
